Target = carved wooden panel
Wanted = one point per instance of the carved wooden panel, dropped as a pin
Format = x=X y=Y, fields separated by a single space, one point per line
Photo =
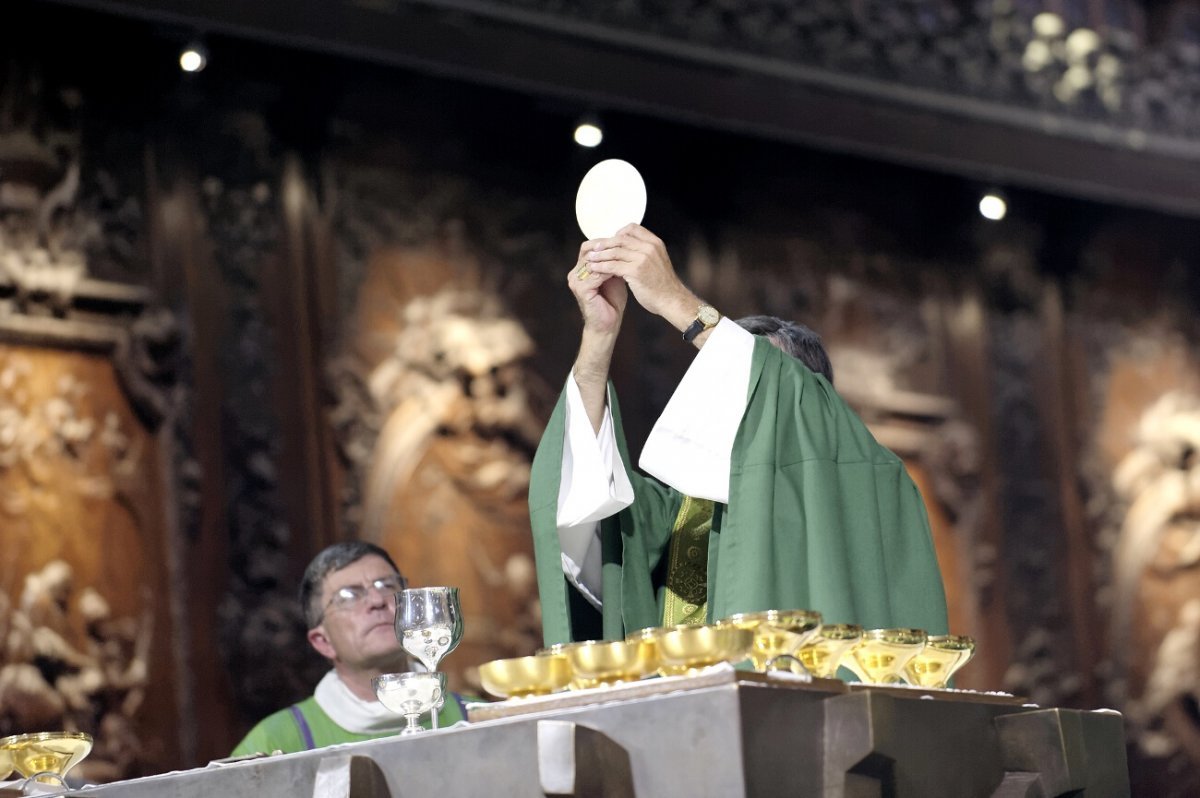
x=438 y=366
x=86 y=562
x=90 y=589
x=1142 y=480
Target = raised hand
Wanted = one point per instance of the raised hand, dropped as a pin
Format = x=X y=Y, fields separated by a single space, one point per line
x=640 y=258
x=601 y=298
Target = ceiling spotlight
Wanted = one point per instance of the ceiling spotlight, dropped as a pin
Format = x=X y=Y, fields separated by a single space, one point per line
x=193 y=58
x=588 y=134
x=992 y=205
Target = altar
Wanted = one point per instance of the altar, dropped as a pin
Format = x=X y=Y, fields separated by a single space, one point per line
x=721 y=733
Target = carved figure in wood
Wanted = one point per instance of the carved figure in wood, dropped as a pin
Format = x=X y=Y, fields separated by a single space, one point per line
x=69 y=664
x=1156 y=629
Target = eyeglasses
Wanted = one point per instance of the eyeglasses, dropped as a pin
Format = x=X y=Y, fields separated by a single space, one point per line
x=351 y=595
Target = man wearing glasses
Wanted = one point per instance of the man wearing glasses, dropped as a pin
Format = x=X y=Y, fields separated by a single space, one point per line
x=349 y=604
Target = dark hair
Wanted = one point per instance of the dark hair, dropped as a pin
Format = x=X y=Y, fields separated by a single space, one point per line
x=797 y=340
x=330 y=559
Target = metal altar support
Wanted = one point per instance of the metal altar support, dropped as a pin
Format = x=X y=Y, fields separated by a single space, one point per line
x=723 y=733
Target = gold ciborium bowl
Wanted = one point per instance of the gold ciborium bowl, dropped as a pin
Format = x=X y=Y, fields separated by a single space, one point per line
x=519 y=677
x=777 y=633
x=683 y=649
x=938 y=661
x=596 y=662
x=6 y=763
x=824 y=651
x=880 y=657
x=649 y=636
x=576 y=682
x=49 y=756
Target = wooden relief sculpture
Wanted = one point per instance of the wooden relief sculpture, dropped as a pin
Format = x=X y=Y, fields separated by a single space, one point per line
x=99 y=683
x=1157 y=578
x=85 y=391
x=443 y=465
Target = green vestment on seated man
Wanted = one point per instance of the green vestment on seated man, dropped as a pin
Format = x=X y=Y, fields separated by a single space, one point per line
x=284 y=731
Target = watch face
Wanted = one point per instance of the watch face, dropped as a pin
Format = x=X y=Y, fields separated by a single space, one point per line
x=708 y=315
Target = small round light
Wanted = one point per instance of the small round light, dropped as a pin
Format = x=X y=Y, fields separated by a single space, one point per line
x=992 y=206
x=1049 y=25
x=1037 y=56
x=193 y=58
x=1081 y=43
x=588 y=135
x=1080 y=77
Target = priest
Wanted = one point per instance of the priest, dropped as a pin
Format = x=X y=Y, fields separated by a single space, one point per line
x=762 y=488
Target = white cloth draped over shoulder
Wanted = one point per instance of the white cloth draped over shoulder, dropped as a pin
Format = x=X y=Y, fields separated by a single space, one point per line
x=352 y=713
x=689 y=449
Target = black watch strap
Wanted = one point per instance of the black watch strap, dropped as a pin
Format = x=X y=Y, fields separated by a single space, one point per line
x=694 y=329
x=706 y=318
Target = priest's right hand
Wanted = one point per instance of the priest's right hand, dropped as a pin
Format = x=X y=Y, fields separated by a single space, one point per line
x=601 y=297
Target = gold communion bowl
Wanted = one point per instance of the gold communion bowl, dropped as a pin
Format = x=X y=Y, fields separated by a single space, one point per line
x=53 y=753
x=683 y=649
x=649 y=636
x=576 y=682
x=596 y=662
x=880 y=657
x=942 y=656
x=824 y=651
x=519 y=677
x=777 y=633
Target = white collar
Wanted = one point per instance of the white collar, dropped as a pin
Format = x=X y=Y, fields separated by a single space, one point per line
x=352 y=713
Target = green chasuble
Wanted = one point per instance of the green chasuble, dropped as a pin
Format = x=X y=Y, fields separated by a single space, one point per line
x=820 y=516
x=284 y=732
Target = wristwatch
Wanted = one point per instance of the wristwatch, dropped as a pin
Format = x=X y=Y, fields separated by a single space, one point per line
x=706 y=318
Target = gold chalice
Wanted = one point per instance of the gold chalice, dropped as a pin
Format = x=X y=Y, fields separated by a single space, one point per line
x=823 y=652
x=777 y=633
x=880 y=657
x=596 y=662
x=938 y=661
x=685 y=649
x=46 y=756
x=519 y=677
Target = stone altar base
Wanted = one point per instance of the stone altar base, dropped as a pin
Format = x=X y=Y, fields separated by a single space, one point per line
x=722 y=733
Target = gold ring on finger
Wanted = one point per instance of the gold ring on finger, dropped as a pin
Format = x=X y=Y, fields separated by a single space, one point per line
x=583 y=272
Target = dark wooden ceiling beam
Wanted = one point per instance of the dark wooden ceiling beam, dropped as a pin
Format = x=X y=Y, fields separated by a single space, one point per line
x=600 y=67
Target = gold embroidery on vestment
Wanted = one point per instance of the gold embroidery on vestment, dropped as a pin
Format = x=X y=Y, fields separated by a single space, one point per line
x=686 y=601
